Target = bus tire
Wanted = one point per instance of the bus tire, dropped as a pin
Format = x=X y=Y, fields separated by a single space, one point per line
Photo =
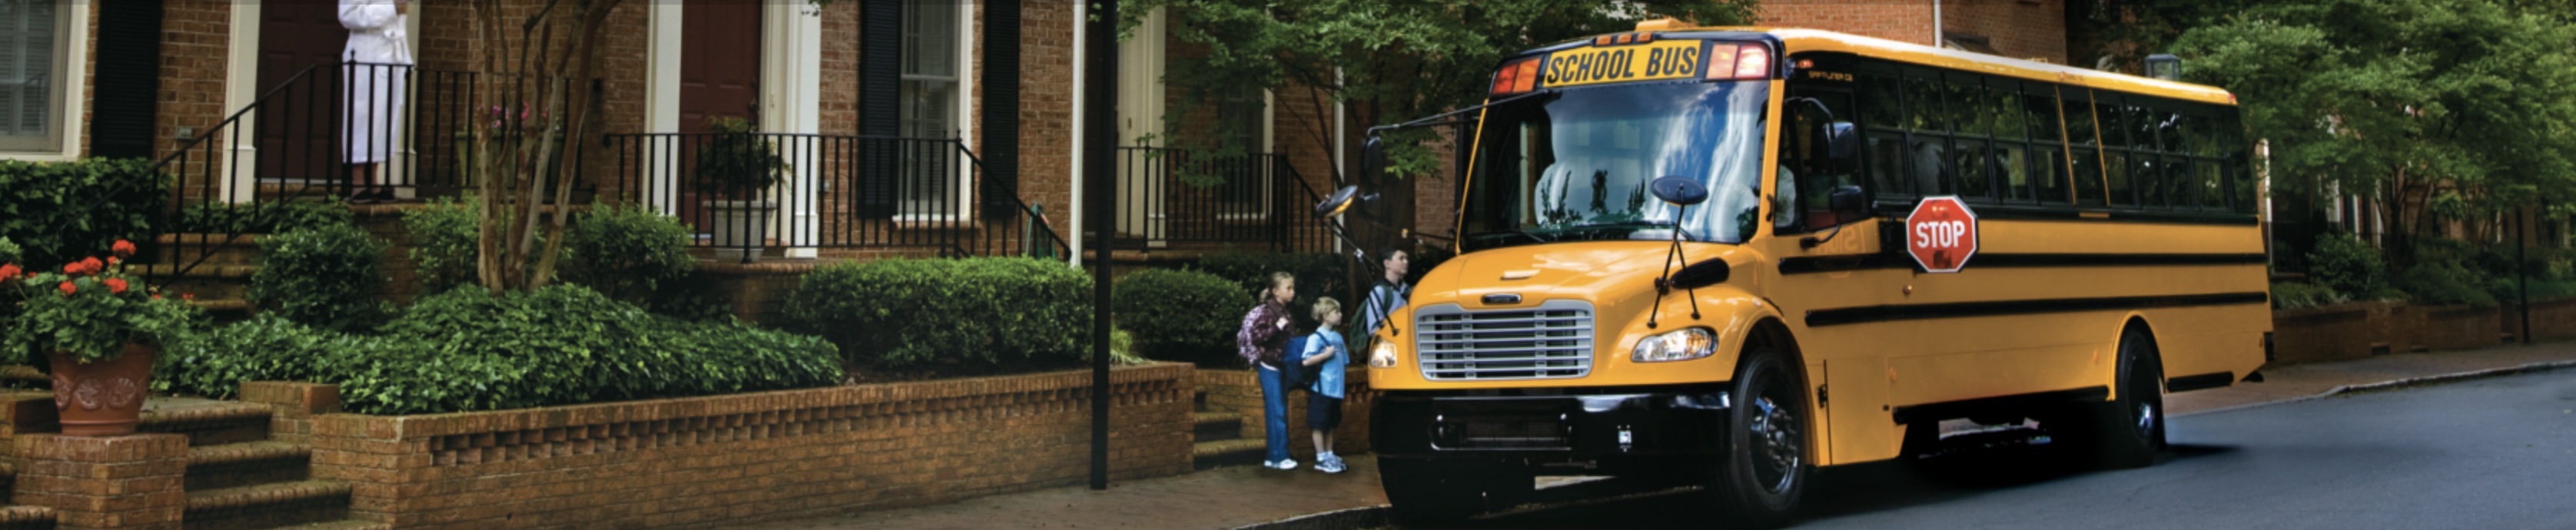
x=1764 y=468
x=2129 y=430
x=1420 y=493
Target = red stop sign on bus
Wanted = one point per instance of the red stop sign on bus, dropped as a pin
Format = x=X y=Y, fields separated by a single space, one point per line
x=1941 y=234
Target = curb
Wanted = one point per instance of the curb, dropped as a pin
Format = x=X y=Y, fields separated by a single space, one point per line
x=1343 y=519
x=2404 y=383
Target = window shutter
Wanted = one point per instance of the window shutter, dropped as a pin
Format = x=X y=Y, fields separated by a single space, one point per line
x=1001 y=82
x=880 y=84
x=128 y=77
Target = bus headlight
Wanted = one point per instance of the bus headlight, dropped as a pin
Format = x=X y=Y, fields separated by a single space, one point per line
x=1678 y=345
x=1382 y=355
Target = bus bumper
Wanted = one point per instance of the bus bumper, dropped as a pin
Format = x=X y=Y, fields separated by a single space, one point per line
x=1572 y=433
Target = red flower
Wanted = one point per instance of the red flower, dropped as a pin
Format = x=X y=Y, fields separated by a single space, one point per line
x=188 y=296
x=156 y=296
x=115 y=286
x=9 y=271
x=92 y=265
x=73 y=268
x=122 y=248
x=68 y=289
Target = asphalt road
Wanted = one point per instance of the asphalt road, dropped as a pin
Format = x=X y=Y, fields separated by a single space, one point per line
x=2492 y=453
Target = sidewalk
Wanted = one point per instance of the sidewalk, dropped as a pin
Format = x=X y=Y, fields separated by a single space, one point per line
x=1241 y=496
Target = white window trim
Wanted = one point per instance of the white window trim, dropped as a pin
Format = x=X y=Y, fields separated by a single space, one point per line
x=75 y=95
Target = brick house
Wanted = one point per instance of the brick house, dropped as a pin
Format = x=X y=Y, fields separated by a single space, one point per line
x=933 y=127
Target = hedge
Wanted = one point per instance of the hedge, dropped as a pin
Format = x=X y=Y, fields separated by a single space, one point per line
x=58 y=212
x=1181 y=315
x=469 y=350
x=325 y=276
x=974 y=313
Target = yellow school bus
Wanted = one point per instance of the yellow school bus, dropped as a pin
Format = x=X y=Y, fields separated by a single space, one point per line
x=1733 y=255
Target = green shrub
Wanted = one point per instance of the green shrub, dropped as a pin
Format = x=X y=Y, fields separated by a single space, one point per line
x=2345 y=264
x=9 y=251
x=1318 y=275
x=262 y=218
x=2509 y=290
x=1181 y=316
x=974 y=313
x=627 y=253
x=2445 y=283
x=324 y=276
x=442 y=244
x=468 y=350
x=2294 y=295
x=62 y=211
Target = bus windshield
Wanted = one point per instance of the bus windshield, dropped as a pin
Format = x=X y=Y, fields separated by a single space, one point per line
x=1573 y=164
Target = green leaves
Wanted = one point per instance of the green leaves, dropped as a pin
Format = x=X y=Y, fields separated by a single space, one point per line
x=626 y=252
x=2395 y=99
x=1389 y=61
x=61 y=211
x=442 y=239
x=324 y=276
x=1181 y=315
x=985 y=313
x=469 y=350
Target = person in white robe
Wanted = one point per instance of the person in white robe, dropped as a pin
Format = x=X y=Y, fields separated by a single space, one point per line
x=374 y=68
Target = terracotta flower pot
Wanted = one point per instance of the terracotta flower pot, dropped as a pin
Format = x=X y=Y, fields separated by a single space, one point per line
x=102 y=398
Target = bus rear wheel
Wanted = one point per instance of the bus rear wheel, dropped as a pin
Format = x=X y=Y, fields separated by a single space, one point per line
x=1764 y=468
x=2129 y=430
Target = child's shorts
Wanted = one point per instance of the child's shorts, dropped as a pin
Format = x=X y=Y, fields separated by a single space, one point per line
x=1323 y=412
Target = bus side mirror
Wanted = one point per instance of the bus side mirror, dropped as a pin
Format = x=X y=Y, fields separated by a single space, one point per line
x=1848 y=202
x=1372 y=162
x=1842 y=146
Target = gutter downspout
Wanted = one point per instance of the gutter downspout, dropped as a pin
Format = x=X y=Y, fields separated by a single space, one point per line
x=1936 y=23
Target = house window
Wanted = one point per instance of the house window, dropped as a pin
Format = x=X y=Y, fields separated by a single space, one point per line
x=31 y=74
x=928 y=104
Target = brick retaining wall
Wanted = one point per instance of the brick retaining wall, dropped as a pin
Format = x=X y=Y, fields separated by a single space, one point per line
x=2361 y=329
x=710 y=461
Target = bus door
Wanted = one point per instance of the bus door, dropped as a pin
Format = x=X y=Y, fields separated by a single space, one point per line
x=1826 y=247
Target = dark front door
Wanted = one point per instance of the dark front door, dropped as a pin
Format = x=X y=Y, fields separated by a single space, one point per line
x=719 y=76
x=295 y=137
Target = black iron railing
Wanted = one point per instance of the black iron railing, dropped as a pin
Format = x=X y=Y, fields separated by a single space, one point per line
x=1179 y=196
x=299 y=140
x=830 y=192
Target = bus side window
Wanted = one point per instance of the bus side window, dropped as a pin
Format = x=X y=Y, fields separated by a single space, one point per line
x=2082 y=150
x=2239 y=163
x=1974 y=123
x=2117 y=151
x=1804 y=158
x=2048 y=144
x=1882 y=114
x=2010 y=130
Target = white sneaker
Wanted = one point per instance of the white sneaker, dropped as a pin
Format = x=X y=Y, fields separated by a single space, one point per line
x=1281 y=464
x=1331 y=466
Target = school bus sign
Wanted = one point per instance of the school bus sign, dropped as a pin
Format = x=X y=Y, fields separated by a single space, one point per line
x=1941 y=234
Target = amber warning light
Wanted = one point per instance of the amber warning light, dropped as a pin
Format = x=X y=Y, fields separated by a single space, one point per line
x=1516 y=77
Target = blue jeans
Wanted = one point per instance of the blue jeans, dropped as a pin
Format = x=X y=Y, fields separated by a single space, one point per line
x=1274 y=413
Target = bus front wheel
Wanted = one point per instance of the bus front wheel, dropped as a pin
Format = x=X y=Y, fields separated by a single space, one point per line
x=1764 y=468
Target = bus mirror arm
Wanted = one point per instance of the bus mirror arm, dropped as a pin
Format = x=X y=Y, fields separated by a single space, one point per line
x=1331 y=209
x=1681 y=192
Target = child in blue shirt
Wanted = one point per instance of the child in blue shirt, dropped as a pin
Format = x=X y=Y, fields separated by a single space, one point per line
x=1324 y=402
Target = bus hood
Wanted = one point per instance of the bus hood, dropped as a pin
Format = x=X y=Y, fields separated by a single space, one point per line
x=1615 y=276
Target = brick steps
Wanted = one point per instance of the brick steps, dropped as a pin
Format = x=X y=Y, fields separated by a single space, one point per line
x=216 y=249
x=207 y=422
x=1219 y=441
x=1222 y=453
x=271 y=505
x=247 y=463
x=1218 y=425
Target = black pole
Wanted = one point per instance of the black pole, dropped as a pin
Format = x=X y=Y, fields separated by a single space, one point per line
x=2522 y=270
x=1100 y=197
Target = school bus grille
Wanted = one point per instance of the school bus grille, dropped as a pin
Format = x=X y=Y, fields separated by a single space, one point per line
x=1553 y=341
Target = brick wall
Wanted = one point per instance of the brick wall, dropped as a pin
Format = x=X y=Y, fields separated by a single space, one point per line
x=1239 y=392
x=723 y=460
x=131 y=482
